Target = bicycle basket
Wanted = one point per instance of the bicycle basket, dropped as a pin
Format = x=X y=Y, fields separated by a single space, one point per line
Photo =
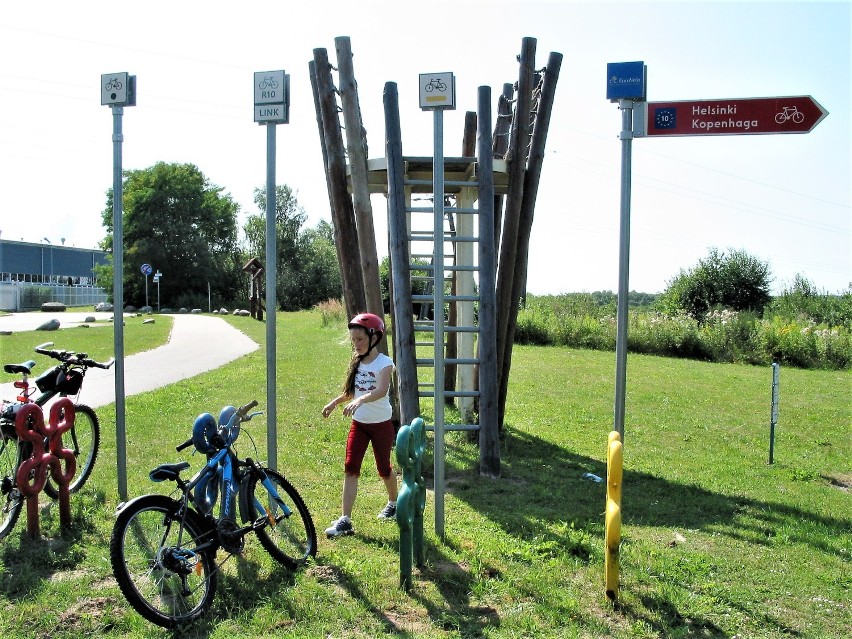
x=57 y=380
x=7 y=419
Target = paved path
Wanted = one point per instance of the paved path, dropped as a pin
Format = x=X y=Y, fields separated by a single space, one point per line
x=198 y=343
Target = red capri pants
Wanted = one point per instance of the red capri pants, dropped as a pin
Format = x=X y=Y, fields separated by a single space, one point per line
x=360 y=435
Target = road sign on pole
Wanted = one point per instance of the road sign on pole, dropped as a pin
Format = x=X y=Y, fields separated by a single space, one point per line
x=732 y=116
x=271 y=97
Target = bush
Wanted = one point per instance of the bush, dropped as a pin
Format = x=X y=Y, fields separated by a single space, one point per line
x=721 y=335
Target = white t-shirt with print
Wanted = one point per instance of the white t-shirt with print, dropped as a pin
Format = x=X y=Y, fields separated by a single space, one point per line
x=366 y=380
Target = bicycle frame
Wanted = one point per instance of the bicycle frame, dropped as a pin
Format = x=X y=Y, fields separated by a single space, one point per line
x=224 y=467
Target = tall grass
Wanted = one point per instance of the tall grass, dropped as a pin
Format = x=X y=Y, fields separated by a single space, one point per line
x=721 y=336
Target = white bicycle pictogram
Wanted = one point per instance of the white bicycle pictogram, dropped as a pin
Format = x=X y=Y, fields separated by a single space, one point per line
x=790 y=113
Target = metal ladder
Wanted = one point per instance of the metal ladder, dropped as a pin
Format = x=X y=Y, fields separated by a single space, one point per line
x=459 y=235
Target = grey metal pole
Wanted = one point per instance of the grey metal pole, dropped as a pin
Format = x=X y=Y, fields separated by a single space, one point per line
x=118 y=300
x=773 y=413
x=271 y=269
x=626 y=137
x=438 y=310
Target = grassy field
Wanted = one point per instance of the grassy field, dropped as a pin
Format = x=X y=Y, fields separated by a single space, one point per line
x=716 y=542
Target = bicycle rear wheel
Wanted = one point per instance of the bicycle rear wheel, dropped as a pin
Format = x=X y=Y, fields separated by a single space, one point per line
x=84 y=439
x=288 y=535
x=12 y=452
x=161 y=564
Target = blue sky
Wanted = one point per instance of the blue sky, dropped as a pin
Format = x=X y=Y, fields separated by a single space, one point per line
x=782 y=198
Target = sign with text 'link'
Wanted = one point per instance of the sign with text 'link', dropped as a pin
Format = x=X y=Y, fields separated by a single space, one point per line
x=736 y=116
x=271 y=97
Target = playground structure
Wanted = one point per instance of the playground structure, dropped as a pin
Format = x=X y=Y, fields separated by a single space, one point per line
x=494 y=181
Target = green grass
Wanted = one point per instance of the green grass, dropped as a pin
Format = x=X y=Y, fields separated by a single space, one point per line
x=97 y=341
x=716 y=542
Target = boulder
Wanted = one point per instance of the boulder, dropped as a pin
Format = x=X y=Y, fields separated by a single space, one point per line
x=53 y=307
x=51 y=325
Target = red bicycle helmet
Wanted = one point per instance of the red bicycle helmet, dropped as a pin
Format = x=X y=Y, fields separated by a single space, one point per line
x=372 y=323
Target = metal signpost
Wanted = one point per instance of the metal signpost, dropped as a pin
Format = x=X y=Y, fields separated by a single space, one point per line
x=626 y=84
x=437 y=93
x=157 y=277
x=271 y=107
x=118 y=90
x=146 y=271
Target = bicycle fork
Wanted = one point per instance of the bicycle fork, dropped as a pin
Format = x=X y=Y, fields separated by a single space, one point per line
x=268 y=516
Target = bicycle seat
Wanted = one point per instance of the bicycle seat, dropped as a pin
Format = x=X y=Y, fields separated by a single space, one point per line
x=169 y=472
x=17 y=369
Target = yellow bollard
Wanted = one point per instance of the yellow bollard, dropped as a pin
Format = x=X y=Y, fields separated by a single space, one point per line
x=612 y=536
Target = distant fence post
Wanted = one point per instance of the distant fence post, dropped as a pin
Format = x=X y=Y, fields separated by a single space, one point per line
x=773 y=413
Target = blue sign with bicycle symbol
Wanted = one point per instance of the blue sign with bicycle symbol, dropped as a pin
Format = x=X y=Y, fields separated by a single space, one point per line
x=146 y=269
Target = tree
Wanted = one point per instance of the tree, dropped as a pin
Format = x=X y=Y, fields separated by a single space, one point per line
x=181 y=225
x=734 y=280
x=307 y=270
x=319 y=268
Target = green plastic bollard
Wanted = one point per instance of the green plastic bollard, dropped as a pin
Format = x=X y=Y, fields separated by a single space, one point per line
x=410 y=446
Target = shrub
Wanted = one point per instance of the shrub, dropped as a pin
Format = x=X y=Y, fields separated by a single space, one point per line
x=333 y=313
x=721 y=335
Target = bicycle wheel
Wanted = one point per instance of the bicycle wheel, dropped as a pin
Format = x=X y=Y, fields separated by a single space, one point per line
x=12 y=452
x=289 y=536
x=84 y=439
x=163 y=566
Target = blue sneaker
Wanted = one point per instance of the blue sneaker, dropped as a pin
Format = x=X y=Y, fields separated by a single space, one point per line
x=388 y=512
x=339 y=528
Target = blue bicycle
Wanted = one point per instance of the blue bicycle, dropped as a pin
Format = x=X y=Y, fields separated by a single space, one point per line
x=163 y=549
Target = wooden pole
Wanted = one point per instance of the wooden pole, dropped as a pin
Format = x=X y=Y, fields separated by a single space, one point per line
x=356 y=146
x=489 y=423
x=318 y=111
x=403 y=333
x=531 y=182
x=343 y=215
x=516 y=158
x=500 y=146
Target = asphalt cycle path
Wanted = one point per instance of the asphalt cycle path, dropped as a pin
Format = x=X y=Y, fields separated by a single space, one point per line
x=197 y=344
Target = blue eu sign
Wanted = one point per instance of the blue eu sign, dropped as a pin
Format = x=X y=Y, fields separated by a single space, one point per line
x=625 y=81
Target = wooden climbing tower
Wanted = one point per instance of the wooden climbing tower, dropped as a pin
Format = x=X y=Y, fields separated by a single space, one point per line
x=489 y=195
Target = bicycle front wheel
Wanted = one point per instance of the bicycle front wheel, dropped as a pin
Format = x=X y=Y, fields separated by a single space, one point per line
x=288 y=533
x=84 y=439
x=160 y=562
x=12 y=452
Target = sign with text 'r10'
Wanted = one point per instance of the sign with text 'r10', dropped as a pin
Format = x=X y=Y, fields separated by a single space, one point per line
x=271 y=97
x=737 y=116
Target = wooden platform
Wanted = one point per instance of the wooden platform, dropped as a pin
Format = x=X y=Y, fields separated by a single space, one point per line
x=457 y=172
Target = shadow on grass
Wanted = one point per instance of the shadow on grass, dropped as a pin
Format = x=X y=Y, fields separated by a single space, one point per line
x=547 y=481
x=543 y=499
x=451 y=610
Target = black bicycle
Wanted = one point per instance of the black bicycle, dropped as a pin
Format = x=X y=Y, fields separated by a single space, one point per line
x=64 y=379
x=163 y=549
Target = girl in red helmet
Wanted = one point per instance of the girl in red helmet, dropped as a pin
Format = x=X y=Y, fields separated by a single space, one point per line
x=365 y=395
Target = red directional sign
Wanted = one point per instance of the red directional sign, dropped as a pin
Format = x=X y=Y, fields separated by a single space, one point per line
x=738 y=116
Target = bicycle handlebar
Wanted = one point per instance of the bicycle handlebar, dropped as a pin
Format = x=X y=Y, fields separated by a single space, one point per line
x=69 y=357
x=241 y=415
x=243 y=410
